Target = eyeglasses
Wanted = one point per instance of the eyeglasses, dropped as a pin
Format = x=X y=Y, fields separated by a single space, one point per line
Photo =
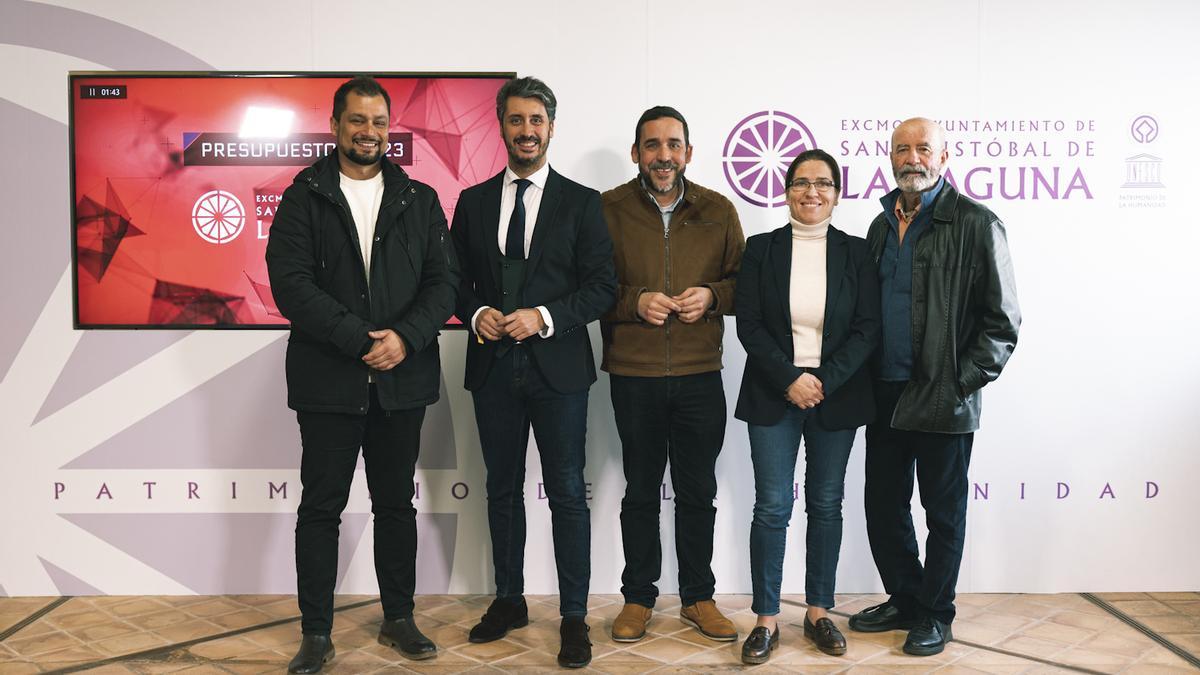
x=802 y=185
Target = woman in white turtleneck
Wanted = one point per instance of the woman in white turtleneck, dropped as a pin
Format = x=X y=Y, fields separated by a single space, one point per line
x=807 y=307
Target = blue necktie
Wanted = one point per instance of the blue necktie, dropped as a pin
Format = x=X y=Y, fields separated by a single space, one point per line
x=514 y=244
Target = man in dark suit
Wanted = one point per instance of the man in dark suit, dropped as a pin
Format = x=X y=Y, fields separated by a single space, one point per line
x=537 y=267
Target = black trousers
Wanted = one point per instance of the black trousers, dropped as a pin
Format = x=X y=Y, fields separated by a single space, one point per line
x=680 y=419
x=390 y=441
x=514 y=399
x=940 y=462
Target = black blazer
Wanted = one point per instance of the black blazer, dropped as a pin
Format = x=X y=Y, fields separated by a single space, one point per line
x=764 y=326
x=569 y=271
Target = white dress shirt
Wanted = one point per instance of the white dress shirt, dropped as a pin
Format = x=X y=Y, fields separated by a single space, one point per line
x=533 y=202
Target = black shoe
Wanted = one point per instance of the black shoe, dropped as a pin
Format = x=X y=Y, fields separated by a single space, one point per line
x=315 y=651
x=825 y=636
x=880 y=618
x=502 y=615
x=576 y=649
x=928 y=637
x=759 y=644
x=404 y=636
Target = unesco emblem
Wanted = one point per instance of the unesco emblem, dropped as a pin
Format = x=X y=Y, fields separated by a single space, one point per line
x=758 y=152
x=218 y=217
x=1144 y=129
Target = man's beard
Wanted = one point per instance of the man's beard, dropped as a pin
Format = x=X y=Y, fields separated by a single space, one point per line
x=648 y=180
x=365 y=160
x=917 y=178
x=521 y=160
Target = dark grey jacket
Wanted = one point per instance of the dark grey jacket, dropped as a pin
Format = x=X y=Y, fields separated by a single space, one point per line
x=965 y=316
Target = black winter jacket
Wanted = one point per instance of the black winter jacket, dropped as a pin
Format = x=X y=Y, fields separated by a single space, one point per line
x=965 y=316
x=319 y=282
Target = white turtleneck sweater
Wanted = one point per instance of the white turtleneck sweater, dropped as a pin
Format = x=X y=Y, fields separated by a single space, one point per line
x=807 y=291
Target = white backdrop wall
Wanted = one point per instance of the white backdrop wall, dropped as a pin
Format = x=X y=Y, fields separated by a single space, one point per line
x=122 y=450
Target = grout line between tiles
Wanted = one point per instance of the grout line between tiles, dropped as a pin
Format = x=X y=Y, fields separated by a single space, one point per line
x=12 y=630
x=167 y=649
x=1143 y=629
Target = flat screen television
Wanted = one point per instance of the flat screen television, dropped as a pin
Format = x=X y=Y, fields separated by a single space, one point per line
x=175 y=179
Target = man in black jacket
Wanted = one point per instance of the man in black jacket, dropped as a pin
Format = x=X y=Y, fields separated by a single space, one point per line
x=950 y=321
x=537 y=268
x=359 y=264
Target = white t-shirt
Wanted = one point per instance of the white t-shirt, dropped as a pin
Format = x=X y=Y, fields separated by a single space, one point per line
x=364 y=197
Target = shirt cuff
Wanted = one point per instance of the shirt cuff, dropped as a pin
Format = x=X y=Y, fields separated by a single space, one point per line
x=548 y=331
x=475 y=318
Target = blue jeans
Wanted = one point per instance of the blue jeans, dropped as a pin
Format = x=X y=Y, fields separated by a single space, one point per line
x=773 y=451
x=515 y=397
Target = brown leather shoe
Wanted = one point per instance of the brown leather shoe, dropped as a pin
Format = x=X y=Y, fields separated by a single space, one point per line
x=630 y=624
x=707 y=619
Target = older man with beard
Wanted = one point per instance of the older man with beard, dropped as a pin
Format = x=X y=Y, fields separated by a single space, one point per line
x=950 y=322
x=677 y=249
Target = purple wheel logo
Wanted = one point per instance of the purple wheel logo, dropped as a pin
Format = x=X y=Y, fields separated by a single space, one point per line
x=1144 y=129
x=757 y=154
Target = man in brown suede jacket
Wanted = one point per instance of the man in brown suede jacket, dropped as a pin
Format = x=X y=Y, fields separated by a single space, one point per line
x=677 y=248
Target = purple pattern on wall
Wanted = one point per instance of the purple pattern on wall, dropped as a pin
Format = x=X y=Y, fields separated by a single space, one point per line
x=35 y=188
x=67 y=583
x=99 y=356
x=100 y=40
x=237 y=420
x=217 y=553
x=436 y=534
x=438 y=449
x=230 y=553
x=37 y=221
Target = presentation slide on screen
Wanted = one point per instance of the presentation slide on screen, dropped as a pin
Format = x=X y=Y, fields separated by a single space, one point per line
x=177 y=180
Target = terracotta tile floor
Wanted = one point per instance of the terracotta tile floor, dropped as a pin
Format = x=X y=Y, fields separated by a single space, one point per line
x=258 y=634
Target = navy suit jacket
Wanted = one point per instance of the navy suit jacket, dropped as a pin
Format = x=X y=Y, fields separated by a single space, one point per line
x=569 y=271
x=764 y=325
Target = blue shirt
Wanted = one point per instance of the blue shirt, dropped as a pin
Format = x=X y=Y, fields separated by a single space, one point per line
x=895 y=277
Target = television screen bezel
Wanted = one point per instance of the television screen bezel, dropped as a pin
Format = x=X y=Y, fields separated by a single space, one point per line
x=74 y=75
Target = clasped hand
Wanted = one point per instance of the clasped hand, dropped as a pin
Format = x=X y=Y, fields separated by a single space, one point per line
x=689 y=306
x=806 y=392
x=386 y=352
x=520 y=325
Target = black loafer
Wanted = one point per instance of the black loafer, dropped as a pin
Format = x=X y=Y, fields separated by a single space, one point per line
x=759 y=644
x=315 y=651
x=404 y=636
x=502 y=615
x=880 y=618
x=928 y=637
x=825 y=636
x=576 y=649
